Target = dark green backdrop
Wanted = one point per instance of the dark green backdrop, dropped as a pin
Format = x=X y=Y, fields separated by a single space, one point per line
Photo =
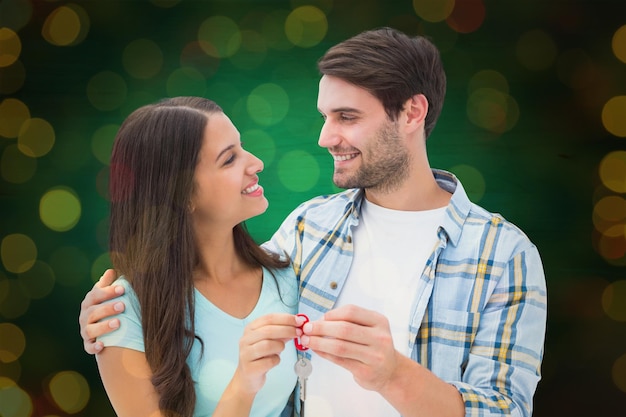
x=534 y=125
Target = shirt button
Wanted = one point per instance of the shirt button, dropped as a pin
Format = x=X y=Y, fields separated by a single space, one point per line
x=333 y=285
x=349 y=239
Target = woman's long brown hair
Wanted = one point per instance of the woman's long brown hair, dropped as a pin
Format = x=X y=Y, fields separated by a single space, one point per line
x=152 y=240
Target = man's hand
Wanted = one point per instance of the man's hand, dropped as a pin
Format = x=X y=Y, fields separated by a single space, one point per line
x=358 y=340
x=92 y=311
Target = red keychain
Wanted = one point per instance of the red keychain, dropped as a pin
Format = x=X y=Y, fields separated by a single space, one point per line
x=296 y=340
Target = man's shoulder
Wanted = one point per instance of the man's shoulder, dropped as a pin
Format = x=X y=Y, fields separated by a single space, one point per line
x=328 y=203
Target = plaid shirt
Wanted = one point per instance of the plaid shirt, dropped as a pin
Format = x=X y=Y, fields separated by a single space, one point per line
x=479 y=320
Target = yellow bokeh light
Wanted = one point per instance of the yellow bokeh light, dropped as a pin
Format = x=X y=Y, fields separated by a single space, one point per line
x=70 y=391
x=10 y=47
x=619 y=43
x=38 y=281
x=268 y=104
x=613 y=171
x=13 y=113
x=14 y=401
x=36 y=137
x=219 y=36
x=12 y=78
x=60 y=209
x=488 y=79
x=107 y=90
x=536 y=50
x=608 y=212
x=433 y=11
x=467 y=16
x=12 y=342
x=15 y=301
x=18 y=253
x=306 y=26
x=142 y=58
x=66 y=25
x=613 y=300
x=102 y=142
x=614 y=116
x=492 y=110
x=619 y=373
x=15 y=167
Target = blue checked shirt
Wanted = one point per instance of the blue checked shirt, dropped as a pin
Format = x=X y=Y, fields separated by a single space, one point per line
x=479 y=320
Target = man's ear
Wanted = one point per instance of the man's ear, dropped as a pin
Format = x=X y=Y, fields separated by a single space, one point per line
x=416 y=109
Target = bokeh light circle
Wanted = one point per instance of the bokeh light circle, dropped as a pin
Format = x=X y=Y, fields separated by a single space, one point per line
x=613 y=300
x=467 y=16
x=433 y=11
x=15 y=14
x=70 y=391
x=102 y=142
x=100 y=264
x=66 y=25
x=186 y=81
x=619 y=373
x=492 y=110
x=14 y=401
x=142 y=58
x=10 y=47
x=18 y=253
x=16 y=301
x=298 y=171
x=13 y=113
x=60 y=209
x=306 y=26
x=219 y=36
x=12 y=78
x=488 y=79
x=38 y=281
x=260 y=144
x=252 y=52
x=472 y=179
x=613 y=171
x=268 y=104
x=618 y=43
x=614 y=116
x=15 y=167
x=12 y=342
x=107 y=90
x=36 y=137
x=536 y=50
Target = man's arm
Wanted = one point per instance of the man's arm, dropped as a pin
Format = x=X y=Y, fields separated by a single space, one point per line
x=93 y=311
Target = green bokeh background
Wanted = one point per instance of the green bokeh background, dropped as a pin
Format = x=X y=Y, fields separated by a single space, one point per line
x=542 y=174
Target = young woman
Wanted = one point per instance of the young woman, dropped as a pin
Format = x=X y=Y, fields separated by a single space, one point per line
x=208 y=312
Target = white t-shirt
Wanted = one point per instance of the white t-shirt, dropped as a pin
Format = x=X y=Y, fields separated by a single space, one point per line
x=390 y=251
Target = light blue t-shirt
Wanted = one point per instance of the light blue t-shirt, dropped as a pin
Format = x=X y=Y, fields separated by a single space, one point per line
x=220 y=332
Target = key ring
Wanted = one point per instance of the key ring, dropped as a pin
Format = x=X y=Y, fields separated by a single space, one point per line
x=296 y=340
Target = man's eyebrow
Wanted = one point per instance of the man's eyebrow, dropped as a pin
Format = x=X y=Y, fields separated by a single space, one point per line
x=226 y=149
x=343 y=110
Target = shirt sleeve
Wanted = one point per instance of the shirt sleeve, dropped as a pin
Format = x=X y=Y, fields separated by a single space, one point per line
x=130 y=333
x=503 y=369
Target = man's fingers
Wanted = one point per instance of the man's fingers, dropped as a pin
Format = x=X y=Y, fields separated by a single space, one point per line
x=92 y=331
x=107 y=278
x=354 y=314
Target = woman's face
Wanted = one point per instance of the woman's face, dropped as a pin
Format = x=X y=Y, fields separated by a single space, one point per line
x=227 y=189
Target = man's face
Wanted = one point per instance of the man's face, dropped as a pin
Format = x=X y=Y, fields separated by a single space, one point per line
x=366 y=146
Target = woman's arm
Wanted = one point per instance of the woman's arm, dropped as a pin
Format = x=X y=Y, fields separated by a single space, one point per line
x=126 y=375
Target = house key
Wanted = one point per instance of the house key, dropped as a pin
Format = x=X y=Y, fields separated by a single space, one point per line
x=303 y=369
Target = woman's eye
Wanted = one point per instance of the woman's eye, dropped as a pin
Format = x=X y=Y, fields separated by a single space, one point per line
x=230 y=160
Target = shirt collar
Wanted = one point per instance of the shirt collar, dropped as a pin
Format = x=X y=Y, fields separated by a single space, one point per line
x=456 y=213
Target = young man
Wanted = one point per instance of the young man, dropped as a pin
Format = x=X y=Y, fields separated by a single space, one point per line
x=421 y=303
